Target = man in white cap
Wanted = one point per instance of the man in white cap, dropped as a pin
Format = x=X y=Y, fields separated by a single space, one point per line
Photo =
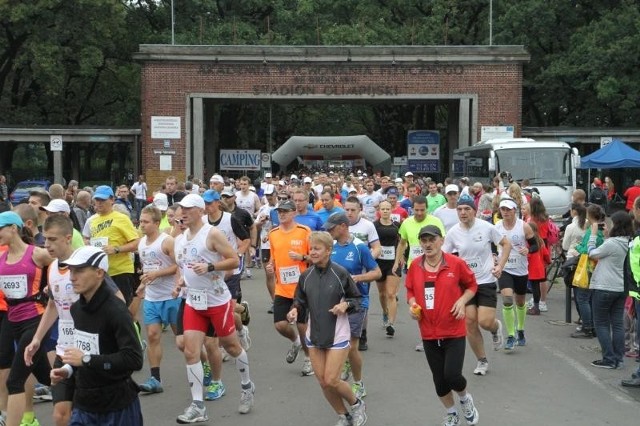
x=161 y=202
x=447 y=213
x=61 y=207
x=307 y=186
x=106 y=348
x=203 y=256
x=217 y=183
x=268 y=180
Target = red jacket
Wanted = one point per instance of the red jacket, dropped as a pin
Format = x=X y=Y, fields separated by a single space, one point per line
x=538 y=262
x=453 y=278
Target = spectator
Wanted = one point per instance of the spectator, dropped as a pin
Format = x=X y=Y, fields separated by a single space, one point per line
x=598 y=195
x=631 y=194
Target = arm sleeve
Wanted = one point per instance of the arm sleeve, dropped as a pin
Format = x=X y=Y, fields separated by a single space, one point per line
x=129 y=354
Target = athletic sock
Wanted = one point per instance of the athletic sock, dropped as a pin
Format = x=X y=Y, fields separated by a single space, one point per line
x=483 y=359
x=297 y=340
x=28 y=417
x=509 y=318
x=242 y=365
x=155 y=372
x=452 y=410
x=521 y=313
x=195 y=376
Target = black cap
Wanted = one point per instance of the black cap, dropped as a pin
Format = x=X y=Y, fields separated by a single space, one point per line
x=286 y=205
x=430 y=230
x=335 y=219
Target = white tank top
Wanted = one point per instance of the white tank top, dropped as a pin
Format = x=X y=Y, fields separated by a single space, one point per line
x=517 y=264
x=246 y=202
x=63 y=296
x=225 y=227
x=207 y=290
x=154 y=259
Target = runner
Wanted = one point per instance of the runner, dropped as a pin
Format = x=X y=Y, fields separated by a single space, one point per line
x=354 y=255
x=289 y=244
x=514 y=277
x=434 y=198
x=448 y=213
x=158 y=273
x=472 y=239
x=329 y=293
x=202 y=256
x=370 y=200
x=304 y=216
x=439 y=286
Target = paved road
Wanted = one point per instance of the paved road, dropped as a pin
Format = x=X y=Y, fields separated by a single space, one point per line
x=548 y=382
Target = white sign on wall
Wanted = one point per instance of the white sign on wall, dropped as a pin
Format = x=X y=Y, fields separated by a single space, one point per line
x=496 y=132
x=606 y=140
x=240 y=159
x=165 y=127
x=55 y=142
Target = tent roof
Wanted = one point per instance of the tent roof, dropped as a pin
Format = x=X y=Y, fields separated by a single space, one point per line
x=332 y=146
x=615 y=155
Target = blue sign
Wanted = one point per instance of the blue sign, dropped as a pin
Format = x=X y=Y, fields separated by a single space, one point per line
x=423 y=151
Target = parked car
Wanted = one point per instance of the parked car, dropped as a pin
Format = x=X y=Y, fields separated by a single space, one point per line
x=22 y=189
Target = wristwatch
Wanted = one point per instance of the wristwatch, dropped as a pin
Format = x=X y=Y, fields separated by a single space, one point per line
x=211 y=267
x=116 y=250
x=86 y=359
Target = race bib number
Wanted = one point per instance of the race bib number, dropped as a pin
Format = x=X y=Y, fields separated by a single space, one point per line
x=88 y=343
x=514 y=260
x=150 y=268
x=395 y=217
x=475 y=264
x=415 y=251
x=66 y=333
x=99 y=242
x=14 y=286
x=429 y=296
x=388 y=253
x=198 y=299
x=289 y=275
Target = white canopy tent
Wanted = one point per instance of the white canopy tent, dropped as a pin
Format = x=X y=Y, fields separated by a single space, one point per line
x=332 y=147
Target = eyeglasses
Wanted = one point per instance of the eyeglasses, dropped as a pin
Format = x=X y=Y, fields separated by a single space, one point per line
x=283 y=198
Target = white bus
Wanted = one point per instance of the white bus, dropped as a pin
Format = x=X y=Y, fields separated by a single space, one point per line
x=550 y=166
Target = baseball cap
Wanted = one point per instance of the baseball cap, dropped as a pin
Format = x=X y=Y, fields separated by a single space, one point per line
x=88 y=256
x=451 y=188
x=269 y=189
x=211 y=195
x=103 y=192
x=10 y=218
x=308 y=180
x=228 y=192
x=286 y=205
x=408 y=174
x=392 y=191
x=294 y=177
x=508 y=203
x=191 y=200
x=335 y=219
x=281 y=182
x=398 y=180
x=430 y=230
x=57 y=206
x=268 y=175
x=217 y=179
x=160 y=201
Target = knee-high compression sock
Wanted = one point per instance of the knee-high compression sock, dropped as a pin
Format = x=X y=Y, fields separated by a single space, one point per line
x=242 y=365
x=521 y=313
x=509 y=318
x=195 y=376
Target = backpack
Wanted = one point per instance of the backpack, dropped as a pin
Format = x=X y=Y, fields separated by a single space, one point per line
x=553 y=235
x=598 y=196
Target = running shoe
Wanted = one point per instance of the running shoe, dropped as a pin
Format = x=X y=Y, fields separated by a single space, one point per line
x=343 y=421
x=363 y=345
x=248 y=273
x=193 y=414
x=346 y=371
x=246 y=399
x=510 y=343
x=385 y=320
x=307 y=368
x=600 y=363
x=469 y=411
x=292 y=353
x=42 y=393
x=270 y=310
x=359 y=413
x=225 y=355
x=207 y=374
x=521 y=339
x=245 y=340
x=245 y=317
x=419 y=347
x=543 y=306
x=529 y=303
x=3 y=420
x=152 y=385
x=451 y=419
x=498 y=338
x=215 y=390
x=359 y=390
x=533 y=311
x=481 y=368
x=391 y=330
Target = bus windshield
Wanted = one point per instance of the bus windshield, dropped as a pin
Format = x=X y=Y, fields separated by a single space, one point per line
x=551 y=166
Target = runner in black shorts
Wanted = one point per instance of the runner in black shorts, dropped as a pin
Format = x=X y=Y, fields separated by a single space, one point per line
x=388 y=283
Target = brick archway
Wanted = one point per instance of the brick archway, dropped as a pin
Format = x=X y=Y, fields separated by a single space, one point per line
x=483 y=83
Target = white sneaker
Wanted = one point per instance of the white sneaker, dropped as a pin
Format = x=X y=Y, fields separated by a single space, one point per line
x=359 y=413
x=529 y=303
x=543 y=306
x=498 y=338
x=307 y=368
x=245 y=340
x=193 y=414
x=481 y=368
x=469 y=411
x=343 y=421
x=451 y=419
x=419 y=347
x=246 y=399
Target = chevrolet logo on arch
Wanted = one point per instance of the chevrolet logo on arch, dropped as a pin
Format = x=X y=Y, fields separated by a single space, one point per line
x=329 y=146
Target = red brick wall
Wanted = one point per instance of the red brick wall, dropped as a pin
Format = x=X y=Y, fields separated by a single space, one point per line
x=166 y=86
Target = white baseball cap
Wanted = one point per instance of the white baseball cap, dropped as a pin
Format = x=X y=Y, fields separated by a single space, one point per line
x=408 y=174
x=308 y=180
x=88 y=256
x=508 y=203
x=191 y=200
x=451 y=188
x=268 y=175
x=216 y=178
x=160 y=201
x=57 y=206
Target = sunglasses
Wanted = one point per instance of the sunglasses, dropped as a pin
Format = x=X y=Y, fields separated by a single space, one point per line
x=283 y=198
